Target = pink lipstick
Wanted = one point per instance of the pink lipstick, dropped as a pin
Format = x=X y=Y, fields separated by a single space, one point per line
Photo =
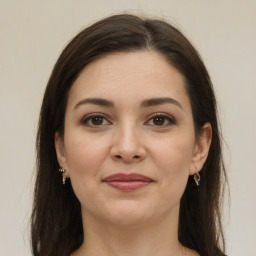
x=127 y=182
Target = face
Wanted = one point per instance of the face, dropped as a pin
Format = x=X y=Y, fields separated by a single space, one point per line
x=129 y=144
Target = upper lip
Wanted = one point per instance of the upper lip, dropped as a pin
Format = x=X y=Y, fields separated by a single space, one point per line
x=127 y=177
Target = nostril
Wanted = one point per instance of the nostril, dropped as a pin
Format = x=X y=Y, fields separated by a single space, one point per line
x=134 y=157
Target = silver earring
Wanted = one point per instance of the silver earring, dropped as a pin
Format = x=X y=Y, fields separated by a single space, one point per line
x=197 y=178
x=63 y=175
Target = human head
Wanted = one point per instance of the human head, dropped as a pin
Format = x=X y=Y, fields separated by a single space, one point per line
x=126 y=33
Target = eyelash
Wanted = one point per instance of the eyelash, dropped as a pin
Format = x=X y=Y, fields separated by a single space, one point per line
x=89 y=118
x=85 y=121
x=168 y=118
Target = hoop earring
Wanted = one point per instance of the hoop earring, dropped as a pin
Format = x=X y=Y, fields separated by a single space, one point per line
x=197 y=178
x=63 y=175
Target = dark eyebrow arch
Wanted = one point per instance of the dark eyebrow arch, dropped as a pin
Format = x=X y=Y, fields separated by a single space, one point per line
x=159 y=101
x=145 y=103
x=95 y=101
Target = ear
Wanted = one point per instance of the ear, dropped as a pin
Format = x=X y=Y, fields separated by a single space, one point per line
x=201 y=149
x=61 y=152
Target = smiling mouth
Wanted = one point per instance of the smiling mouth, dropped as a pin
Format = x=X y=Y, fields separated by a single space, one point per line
x=127 y=182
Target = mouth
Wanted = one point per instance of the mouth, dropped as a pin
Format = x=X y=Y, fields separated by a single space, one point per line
x=127 y=182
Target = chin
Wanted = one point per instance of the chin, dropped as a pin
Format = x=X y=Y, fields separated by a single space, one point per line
x=128 y=213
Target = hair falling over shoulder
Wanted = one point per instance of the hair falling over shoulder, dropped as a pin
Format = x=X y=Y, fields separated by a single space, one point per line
x=56 y=222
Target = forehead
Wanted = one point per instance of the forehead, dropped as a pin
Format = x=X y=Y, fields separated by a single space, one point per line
x=129 y=76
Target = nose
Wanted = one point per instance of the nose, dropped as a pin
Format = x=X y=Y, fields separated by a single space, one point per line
x=128 y=145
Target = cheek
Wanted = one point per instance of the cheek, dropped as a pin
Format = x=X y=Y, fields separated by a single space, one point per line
x=175 y=153
x=85 y=154
x=85 y=158
x=173 y=158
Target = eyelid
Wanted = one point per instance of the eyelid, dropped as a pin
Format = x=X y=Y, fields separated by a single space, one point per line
x=86 y=118
x=170 y=118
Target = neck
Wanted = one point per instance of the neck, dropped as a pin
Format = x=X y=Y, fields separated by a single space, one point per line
x=158 y=237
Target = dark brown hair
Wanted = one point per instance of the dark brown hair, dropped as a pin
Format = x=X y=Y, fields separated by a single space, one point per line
x=56 y=223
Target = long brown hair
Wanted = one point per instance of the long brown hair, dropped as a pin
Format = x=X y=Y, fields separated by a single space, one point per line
x=56 y=223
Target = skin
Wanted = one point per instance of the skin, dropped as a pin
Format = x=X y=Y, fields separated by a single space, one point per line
x=157 y=141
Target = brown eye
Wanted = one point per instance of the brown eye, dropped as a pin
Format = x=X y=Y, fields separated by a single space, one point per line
x=161 y=120
x=97 y=120
x=94 y=120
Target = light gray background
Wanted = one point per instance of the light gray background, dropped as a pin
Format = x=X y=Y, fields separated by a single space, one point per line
x=33 y=33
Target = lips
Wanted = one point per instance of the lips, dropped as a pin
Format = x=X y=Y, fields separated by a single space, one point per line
x=127 y=182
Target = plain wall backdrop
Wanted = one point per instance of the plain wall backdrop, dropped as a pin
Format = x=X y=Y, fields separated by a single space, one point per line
x=32 y=35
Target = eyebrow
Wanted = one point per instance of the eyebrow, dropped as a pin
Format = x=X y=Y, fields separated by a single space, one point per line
x=159 y=101
x=145 y=103
x=95 y=101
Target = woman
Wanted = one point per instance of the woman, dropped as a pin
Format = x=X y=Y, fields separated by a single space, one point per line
x=129 y=157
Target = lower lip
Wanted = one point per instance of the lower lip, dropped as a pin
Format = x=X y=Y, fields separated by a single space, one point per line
x=128 y=185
